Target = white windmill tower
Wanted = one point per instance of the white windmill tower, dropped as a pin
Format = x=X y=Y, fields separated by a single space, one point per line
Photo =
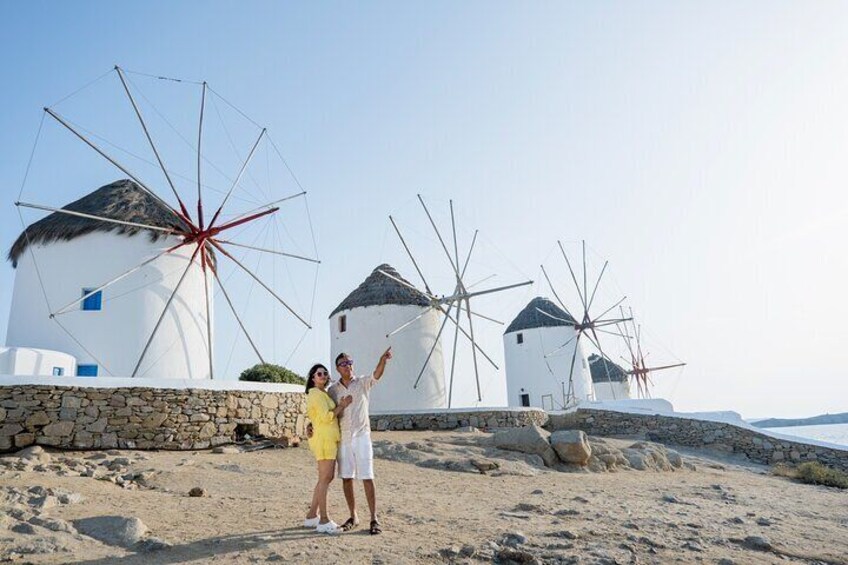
x=531 y=378
x=124 y=279
x=359 y=326
x=587 y=327
x=454 y=307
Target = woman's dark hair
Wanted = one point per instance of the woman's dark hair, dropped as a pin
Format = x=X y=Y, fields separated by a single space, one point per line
x=310 y=382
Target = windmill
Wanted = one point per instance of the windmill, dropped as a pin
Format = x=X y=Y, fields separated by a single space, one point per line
x=587 y=325
x=640 y=371
x=450 y=305
x=208 y=239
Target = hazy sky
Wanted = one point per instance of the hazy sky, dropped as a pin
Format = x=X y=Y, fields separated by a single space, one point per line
x=699 y=147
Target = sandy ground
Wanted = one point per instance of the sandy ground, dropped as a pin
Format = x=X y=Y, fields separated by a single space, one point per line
x=257 y=500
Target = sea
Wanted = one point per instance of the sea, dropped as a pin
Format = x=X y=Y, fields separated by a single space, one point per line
x=831 y=433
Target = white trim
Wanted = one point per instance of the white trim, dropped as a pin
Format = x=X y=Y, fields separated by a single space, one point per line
x=117 y=382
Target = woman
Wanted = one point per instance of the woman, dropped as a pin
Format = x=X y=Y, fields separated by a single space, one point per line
x=324 y=443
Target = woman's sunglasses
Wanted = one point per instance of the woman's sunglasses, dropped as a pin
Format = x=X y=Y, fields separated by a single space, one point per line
x=322 y=374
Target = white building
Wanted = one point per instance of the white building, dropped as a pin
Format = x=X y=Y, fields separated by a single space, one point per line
x=531 y=378
x=611 y=382
x=107 y=331
x=38 y=362
x=359 y=325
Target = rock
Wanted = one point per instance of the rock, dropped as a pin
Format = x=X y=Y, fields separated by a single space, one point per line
x=572 y=446
x=467 y=551
x=513 y=539
x=675 y=459
x=671 y=499
x=23 y=528
x=57 y=429
x=198 y=492
x=37 y=419
x=226 y=449
x=726 y=561
x=151 y=544
x=274 y=557
x=757 y=543
x=527 y=439
x=538 y=491
x=693 y=546
x=43 y=502
x=34 y=454
x=112 y=530
x=24 y=439
x=510 y=555
x=764 y=522
x=468 y=430
x=484 y=465
x=154 y=420
x=52 y=524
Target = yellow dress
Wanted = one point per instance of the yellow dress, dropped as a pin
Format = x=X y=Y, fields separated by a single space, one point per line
x=324 y=442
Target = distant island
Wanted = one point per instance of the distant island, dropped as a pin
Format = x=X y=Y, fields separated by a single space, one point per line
x=813 y=421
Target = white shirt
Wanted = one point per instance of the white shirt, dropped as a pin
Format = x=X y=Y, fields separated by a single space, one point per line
x=355 y=420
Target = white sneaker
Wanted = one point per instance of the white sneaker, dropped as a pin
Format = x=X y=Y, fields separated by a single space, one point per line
x=329 y=528
x=312 y=522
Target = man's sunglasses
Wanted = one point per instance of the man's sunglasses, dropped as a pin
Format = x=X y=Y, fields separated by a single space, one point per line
x=346 y=363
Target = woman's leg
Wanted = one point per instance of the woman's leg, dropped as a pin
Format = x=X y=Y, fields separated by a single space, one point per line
x=316 y=498
x=326 y=472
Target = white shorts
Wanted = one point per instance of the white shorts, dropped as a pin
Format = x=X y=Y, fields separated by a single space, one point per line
x=356 y=458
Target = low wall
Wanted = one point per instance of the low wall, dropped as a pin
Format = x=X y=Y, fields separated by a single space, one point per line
x=758 y=447
x=452 y=419
x=89 y=417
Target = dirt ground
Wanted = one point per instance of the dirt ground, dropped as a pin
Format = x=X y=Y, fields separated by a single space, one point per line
x=717 y=512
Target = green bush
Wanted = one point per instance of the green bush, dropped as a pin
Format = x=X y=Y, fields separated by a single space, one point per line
x=814 y=473
x=268 y=373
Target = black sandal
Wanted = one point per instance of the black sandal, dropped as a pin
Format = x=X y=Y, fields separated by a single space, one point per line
x=375 y=528
x=349 y=524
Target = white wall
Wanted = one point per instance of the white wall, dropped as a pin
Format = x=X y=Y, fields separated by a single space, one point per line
x=113 y=337
x=528 y=372
x=365 y=340
x=179 y=384
x=612 y=390
x=30 y=361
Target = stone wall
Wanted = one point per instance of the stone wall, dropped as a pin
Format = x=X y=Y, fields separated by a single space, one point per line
x=141 y=417
x=727 y=438
x=448 y=420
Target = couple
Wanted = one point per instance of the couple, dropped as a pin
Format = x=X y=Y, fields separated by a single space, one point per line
x=340 y=428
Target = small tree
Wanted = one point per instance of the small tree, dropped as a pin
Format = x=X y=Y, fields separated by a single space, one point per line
x=268 y=373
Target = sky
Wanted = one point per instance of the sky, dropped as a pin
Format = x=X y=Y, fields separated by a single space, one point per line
x=697 y=147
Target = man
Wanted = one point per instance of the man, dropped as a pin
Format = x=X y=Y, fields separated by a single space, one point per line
x=356 y=453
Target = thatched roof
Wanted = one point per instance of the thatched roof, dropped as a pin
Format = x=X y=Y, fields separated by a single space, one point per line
x=121 y=200
x=598 y=367
x=378 y=290
x=531 y=318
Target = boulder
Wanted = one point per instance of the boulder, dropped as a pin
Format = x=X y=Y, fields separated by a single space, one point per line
x=34 y=454
x=528 y=439
x=572 y=446
x=113 y=530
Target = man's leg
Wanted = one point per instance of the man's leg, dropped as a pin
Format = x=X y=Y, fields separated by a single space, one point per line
x=371 y=497
x=347 y=468
x=350 y=498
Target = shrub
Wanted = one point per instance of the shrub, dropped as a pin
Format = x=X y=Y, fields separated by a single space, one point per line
x=814 y=473
x=268 y=373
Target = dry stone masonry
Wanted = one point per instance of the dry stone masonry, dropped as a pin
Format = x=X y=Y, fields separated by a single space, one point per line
x=142 y=418
x=720 y=436
x=490 y=418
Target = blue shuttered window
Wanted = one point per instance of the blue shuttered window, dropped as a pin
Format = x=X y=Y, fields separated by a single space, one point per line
x=86 y=370
x=93 y=300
